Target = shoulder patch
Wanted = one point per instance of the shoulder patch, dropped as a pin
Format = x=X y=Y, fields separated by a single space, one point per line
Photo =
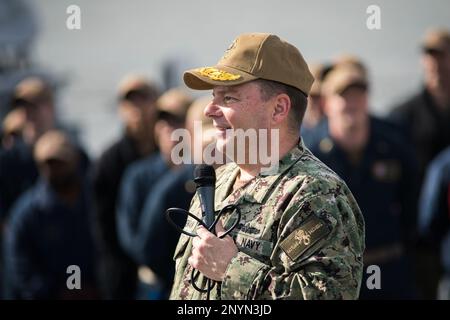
x=304 y=237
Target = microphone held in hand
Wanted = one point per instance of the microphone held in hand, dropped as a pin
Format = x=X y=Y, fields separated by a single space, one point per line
x=205 y=178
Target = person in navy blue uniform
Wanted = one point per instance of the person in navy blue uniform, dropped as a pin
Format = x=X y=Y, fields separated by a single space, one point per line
x=434 y=215
x=425 y=116
x=137 y=108
x=425 y=120
x=50 y=228
x=33 y=101
x=143 y=232
x=33 y=113
x=370 y=156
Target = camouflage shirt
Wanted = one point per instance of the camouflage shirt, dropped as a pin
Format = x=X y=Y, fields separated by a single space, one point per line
x=301 y=235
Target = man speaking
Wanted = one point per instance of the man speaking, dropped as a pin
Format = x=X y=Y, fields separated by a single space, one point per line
x=301 y=232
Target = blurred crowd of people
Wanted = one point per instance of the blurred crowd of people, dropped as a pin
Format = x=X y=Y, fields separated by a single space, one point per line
x=60 y=208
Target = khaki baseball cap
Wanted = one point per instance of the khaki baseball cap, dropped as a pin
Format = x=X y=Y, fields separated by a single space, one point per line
x=350 y=60
x=55 y=144
x=342 y=77
x=14 y=121
x=437 y=39
x=175 y=101
x=254 y=56
x=32 y=90
x=135 y=82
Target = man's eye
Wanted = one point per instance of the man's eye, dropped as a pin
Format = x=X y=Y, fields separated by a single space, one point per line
x=228 y=99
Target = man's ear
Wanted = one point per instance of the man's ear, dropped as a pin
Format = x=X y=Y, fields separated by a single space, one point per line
x=281 y=108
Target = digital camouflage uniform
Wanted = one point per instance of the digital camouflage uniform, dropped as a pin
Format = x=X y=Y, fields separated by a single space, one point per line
x=301 y=235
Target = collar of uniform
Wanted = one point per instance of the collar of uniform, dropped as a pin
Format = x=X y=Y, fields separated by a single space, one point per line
x=287 y=161
x=257 y=190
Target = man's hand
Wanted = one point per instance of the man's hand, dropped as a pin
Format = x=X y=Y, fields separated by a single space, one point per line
x=210 y=254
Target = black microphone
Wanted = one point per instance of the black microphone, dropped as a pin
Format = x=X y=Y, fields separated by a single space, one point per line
x=205 y=178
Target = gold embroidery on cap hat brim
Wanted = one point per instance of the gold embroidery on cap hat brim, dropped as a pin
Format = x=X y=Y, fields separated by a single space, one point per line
x=217 y=75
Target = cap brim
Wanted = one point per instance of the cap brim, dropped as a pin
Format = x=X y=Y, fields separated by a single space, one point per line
x=209 y=77
x=342 y=78
x=433 y=46
x=355 y=83
x=18 y=102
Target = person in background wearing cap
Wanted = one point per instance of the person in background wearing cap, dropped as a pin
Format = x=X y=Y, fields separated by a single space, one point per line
x=50 y=228
x=369 y=155
x=301 y=234
x=32 y=114
x=137 y=108
x=425 y=119
x=12 y=128
x=180 y=182
x=158 y=238
x=140 y=182
x=33 y=97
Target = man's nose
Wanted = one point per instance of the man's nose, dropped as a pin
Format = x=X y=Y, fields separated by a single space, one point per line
x=212 y=110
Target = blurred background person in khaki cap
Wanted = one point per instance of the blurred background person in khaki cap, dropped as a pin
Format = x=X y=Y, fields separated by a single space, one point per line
x=137 y=96
x=425 y=120
x=172 y=108
x=31 y=97
x=425 y=117
x=33 y=106
x=50 y=227
x=159 y=238
x=348 y=59
x=12 y=128
x=58 y=162
x=36 y=97
x=369 y=155
x=143 y=232
x=137 y=107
